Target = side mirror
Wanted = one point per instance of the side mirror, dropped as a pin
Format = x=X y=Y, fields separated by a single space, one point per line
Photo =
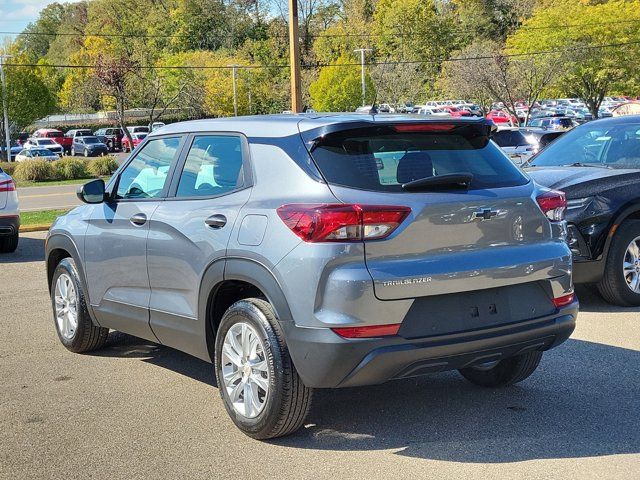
x=92 y=192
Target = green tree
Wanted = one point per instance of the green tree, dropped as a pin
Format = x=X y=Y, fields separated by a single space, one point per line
x=338 y=88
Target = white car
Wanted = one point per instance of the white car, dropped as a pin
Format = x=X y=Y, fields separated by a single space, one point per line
x=432 y=112
x=44 y=143
x=518 y=147
x=9 y=214
x=35 y=153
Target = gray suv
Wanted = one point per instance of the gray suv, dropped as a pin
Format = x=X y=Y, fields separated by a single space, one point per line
x=318 y=251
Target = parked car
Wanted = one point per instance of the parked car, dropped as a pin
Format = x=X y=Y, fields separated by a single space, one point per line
x=113 y=137
x=364 y=109
x=432 y=112
x=9 y=214
x=138 y=129
x=156 y=125
x=456 y=112
x=541 y=137
x=597 y=165
x=36 y=153
x=88 y=146
x=137 y=140
x=515 y=144
x=501 y=117
x=81 y=132
x=552 y=123
x=14 y=150
x=55 y=135
x=449 y=257
x=47 y=143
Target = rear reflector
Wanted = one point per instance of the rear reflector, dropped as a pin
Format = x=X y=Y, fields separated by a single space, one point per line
x=342 y=222
x=564 y=300
x=7 y=186
x=424 y=127
x=368 y=331
x=553 y=204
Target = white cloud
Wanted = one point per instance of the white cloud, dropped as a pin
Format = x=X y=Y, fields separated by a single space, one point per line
x=25 y=12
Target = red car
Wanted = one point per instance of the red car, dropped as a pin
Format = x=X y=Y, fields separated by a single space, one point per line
x=500 y=117
x=55 y=135
x=137 y=140
x=456 y=112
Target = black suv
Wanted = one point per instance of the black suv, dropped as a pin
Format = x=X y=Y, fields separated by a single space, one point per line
x=113 y=137
x=597 y=165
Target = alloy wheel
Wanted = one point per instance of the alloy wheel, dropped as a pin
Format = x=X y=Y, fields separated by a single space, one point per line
x=631 y=265
x=244 y=370
x=66 y=305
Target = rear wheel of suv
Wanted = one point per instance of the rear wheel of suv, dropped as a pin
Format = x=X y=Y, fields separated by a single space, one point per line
x=73 y=323
x=620 y=283
x=259 y=385
x=505 y=372
x=9 y=243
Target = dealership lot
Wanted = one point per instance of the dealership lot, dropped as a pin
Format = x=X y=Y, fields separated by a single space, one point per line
x=136 y=409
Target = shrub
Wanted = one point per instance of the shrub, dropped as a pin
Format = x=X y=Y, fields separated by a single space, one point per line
x=70 y=168
x=34 y=171
x=103 y=166
x=8 y=167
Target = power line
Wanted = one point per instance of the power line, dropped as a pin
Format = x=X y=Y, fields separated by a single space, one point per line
x=315 y=35
x=320 y=65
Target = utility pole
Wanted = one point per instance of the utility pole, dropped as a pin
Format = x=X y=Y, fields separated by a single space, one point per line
x=294 y=58
x=234 y=68
x=5 y=107
x=362 y=52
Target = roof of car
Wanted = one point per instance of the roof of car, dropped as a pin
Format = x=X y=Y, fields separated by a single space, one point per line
x=282 y=125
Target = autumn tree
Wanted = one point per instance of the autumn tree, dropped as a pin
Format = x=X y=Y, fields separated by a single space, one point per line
x=338 y=88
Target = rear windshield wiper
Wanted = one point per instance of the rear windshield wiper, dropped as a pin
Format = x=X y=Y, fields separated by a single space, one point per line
x=440 y=182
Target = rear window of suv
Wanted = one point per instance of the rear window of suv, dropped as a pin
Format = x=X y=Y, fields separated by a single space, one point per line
x=382 y=159
x=510 y=138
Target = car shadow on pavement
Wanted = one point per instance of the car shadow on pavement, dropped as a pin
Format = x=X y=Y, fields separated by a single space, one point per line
x=583 y=401
x=591 y=301
x=29 y=250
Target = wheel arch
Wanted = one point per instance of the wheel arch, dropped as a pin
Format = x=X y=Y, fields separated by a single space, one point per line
x=630 y=211
x=231 y=279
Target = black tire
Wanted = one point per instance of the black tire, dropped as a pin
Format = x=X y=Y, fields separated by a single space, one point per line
x=613 y=285
x=9 y=243
x=87 y=336
x=289 y=400
x=506 y=372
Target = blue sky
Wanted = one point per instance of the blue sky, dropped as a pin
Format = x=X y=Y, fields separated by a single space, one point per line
x=16 y=14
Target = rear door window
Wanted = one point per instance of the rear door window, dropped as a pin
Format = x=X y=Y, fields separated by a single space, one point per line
x=382 y=159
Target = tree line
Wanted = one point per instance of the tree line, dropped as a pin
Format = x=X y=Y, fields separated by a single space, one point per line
x=159 y=54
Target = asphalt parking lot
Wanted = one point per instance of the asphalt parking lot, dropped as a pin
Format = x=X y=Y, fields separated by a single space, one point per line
x=139 y=410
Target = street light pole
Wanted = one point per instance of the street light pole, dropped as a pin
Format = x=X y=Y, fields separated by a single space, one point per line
x=234 y=68
x=5 y=108
x=362 y=52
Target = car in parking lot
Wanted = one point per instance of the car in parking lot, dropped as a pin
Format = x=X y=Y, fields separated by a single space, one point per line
x=89 y=146
x=46 y=143
x=515 y=144
x=552 y=123
x=9 y=214
x=55 y=135
x=597 y=165
x=137 y=140
x=277 y=248
x=113 y=137
x=35 y=153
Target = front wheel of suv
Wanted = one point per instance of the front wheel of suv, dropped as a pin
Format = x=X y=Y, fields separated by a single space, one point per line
x=504 y=372
x=73 y=323
x=259 y=385
x=620 y=284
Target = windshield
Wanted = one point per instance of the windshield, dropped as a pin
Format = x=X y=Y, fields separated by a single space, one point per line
x=616 y=146
x=55 y=134
x=381 y=159
x=41 y=152
x=46 y=141
x=91 y=140
x=510 y=138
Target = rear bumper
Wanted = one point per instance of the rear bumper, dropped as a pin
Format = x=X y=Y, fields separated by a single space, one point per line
x=325 y=360
x=9 y=225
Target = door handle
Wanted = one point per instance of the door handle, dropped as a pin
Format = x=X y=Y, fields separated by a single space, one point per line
x=138 y=219
x=216 y=221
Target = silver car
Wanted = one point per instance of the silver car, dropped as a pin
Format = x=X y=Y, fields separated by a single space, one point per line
x=317 y=251
x=9 y=214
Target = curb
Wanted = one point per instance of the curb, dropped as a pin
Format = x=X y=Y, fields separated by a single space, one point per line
x=34 y=228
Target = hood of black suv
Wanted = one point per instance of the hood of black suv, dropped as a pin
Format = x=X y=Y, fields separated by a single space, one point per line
x=580 y=181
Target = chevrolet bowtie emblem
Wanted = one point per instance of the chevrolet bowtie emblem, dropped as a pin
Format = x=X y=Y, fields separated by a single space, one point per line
x=484 y=214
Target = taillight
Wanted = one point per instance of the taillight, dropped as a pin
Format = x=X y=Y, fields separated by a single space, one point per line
x=342 y=222
x=368 y=331
x=7 y=186
x=563 y=300
x=553 y=204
